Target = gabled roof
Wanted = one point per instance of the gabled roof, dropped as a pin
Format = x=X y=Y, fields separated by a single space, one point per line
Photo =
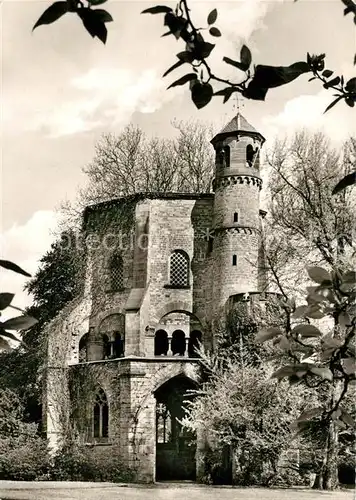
x=238 y=124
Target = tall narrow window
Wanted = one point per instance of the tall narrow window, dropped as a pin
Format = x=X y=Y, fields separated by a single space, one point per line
x=227 y=156
x=163 y=424
x=116 y=273
x=234 y=260
x=194 y=343
x=118 y=345
x=179 y=269
x=161 y=343
x=250 y=155
x=178 y=343
x=101 y=416
x=236 y=217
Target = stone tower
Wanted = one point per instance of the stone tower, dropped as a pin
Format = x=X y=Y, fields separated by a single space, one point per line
x=236 y=213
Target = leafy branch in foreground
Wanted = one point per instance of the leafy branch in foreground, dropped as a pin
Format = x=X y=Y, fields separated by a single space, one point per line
x=18 y=323
x=318 y=359
x=93 y=19
x=251 y=83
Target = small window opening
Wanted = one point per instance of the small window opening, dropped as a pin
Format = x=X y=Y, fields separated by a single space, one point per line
x=234 y=260
x=236 y=217
x=250 y=155
x=161 y=343
x=178 y=343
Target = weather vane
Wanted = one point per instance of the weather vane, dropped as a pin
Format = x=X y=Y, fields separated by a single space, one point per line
x=238 y=103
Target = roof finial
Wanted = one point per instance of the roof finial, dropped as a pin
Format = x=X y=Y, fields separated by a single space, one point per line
x=238 y=103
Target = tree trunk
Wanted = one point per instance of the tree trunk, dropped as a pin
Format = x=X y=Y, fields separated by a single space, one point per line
x=328 y=476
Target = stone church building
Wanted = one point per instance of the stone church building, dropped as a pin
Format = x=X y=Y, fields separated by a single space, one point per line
x=160 y=271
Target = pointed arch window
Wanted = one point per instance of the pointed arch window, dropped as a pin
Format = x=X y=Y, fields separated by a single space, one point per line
x=179 y=269
x=116 y=271
x=101 y=416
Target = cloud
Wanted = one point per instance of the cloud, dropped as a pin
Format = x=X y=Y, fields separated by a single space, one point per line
x=307 y=111
x=25 y=244
x=105 y=95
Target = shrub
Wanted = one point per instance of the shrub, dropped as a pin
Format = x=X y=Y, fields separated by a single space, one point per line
x=83 y=463
x=22 y=460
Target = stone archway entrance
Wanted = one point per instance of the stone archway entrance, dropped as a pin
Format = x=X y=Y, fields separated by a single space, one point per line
x=175 y=446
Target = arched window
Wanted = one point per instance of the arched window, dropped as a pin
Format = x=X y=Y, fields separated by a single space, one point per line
x=236 y=217
x=178 y=343
x=250 y=155
x=161 y=343
x=234 y=260
x=163 y=424
x=101 y=416
x=116 y=273
x=195 y=339
x=179 y=269
x=83 y=349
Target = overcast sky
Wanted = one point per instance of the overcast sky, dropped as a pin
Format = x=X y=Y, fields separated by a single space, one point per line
x=61 y=89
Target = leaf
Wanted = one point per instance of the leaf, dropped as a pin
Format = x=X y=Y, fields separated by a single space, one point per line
x=186 y=56
x=9 y=335
x=6 y=264
x=351 y=85
x=202 y=94
x=236 y=64
x=103 y=15
x=50 y=15
x=176 y=25
x=4 y=345
x=315 y=312
x=96 y=2
x=349 y=277
x=300 y=312
x=323 y=371
x=184 y=79
x=333 y=82
x=158 y=9
x=245 y=56
x=309 y=414
x=327 y=73
x=215 y=31
x=268 y=334
x=19 y=323
x=5 y=300
x=176 y=65
x=349 y=365
x=93 y=23
x=212 y=17
x=290 y=370
x=347 y=419
x=284 y=343
x=318 y=274
x=348 y=180
x=344 y=320
x=306 y=331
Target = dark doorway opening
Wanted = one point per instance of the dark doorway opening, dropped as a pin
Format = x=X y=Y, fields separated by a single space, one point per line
x=175 y=445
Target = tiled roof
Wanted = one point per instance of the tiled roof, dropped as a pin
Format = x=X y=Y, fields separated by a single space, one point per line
x=238 y=124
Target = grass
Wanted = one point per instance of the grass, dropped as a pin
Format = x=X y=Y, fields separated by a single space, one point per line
x=13 y=490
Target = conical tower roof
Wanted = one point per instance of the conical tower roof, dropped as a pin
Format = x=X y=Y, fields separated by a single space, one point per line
x=238 y=125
